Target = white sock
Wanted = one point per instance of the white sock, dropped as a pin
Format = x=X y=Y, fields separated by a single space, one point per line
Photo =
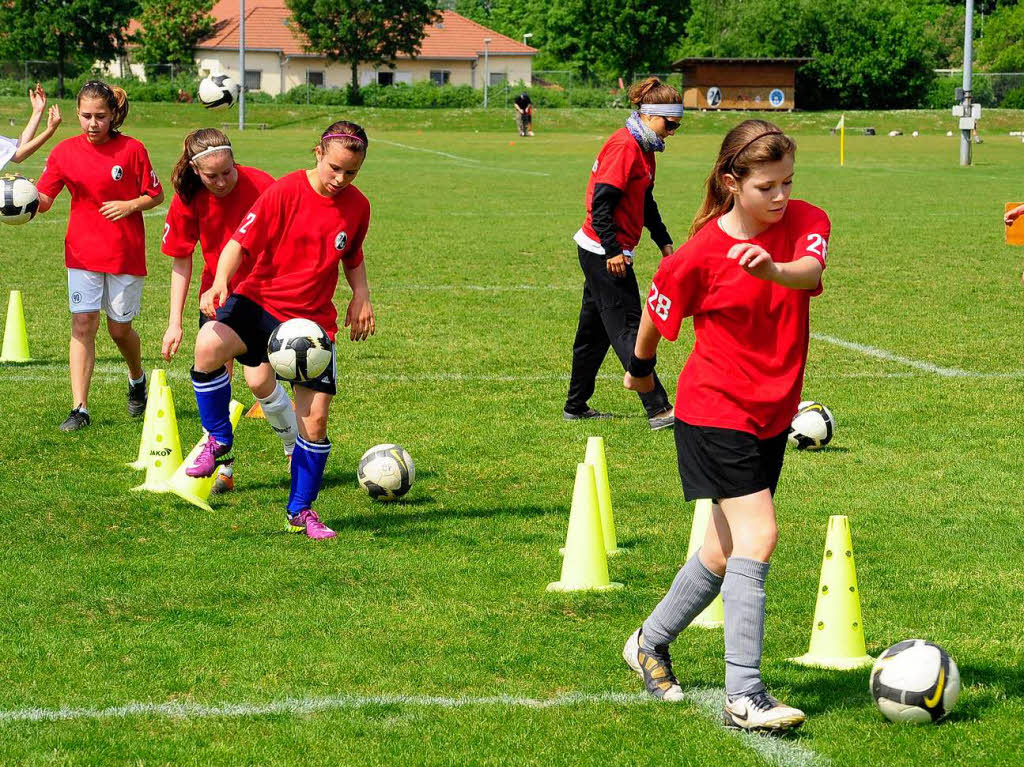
x=134 y=381
x=278 y=410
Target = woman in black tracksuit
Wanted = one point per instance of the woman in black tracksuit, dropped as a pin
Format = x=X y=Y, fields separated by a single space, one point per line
x=620 y=203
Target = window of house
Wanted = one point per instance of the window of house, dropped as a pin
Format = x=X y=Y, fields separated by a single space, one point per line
x=440 y=76
x=253 y=79
x=385 y=78
x=496 y=78
x=315 y=79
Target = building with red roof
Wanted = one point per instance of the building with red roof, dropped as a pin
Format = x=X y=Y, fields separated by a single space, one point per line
x=455 y=50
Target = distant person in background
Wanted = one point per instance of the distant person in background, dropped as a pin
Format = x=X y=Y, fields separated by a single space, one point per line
x=16 y=150
x=524 y=114
x=620 y=203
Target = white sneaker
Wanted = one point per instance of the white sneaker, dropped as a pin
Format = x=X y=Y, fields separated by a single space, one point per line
x=760 y=712
x=654 y=668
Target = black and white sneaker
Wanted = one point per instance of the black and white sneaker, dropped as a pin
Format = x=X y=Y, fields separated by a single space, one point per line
x=760 y=712
x=654 y=667
x=137 y=398
x=588 y=413
x=663 y=420
x=77 y=419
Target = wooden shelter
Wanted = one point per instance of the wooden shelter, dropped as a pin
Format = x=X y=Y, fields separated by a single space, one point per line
x=711 y=83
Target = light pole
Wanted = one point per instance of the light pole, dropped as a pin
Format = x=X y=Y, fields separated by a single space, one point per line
x=967 y=116
x=487 y=71
x=241 y=65
x=527 y=36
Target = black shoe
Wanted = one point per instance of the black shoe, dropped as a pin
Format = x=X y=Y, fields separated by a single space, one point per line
x=137 y=398
x=77 y=419
x=662 y=421
x=588 y=413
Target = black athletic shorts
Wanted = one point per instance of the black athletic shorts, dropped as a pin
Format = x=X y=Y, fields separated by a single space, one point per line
x=203 y=319
x=254 y=324
x=726 y=463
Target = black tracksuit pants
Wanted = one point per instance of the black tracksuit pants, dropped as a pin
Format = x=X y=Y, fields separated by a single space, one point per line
x=610 y=316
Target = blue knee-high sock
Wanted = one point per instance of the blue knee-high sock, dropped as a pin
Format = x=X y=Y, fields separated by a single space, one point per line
x=213 y=395
x=308 y=463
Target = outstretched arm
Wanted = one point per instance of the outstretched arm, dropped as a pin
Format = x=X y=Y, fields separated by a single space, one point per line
x=29 y=141
x=802 y=274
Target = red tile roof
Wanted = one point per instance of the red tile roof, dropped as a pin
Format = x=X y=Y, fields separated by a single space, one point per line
x=454 y=37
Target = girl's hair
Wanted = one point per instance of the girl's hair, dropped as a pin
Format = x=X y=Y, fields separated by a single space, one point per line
x=184 y=179
x=115 y=98
x=653 y=91
x=749 y=144
x=347 y=134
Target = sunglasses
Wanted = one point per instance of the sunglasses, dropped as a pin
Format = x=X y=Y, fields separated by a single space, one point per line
x=670 y=124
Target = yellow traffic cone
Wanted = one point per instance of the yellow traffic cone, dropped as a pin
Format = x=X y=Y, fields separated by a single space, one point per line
x=157 y=380
x=15 y=348
x=164 y=452
x=712 y=616
x=256 y=411
x=585 y=566
x=837 y=637
x=196 y=490
x=595 y=457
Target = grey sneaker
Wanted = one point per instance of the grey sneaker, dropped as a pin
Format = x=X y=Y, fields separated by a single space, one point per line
x=137 y=398
x=659 y=422
x=588 y=413
x=760 y=712
x=654 y=667
x=77 y=419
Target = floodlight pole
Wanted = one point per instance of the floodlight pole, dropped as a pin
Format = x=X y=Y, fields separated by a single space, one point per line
x=241 y=65
x=967 y=118
x=487 y=73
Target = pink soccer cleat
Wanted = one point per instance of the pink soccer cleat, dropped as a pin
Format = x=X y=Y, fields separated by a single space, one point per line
x=211 y=456
x=309 y=522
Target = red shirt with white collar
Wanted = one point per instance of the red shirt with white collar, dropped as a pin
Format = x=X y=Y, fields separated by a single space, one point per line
x=746 y=370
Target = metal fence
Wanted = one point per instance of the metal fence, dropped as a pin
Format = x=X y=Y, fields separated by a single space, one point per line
x=992 y=87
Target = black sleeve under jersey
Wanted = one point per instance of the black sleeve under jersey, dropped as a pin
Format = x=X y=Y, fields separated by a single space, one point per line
x=602 y=217
x=653 y=222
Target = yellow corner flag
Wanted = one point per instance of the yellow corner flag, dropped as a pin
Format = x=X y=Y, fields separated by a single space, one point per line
x=841 y=127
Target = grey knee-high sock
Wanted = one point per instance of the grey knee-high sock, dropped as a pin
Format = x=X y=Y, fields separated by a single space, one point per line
x=692 y=590
x=743 y=603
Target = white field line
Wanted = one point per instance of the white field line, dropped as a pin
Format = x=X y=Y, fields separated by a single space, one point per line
x=57 y=219
x=466 y=162
x=709 y=701
x=927 y=367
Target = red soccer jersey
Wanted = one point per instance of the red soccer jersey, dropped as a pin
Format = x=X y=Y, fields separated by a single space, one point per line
x=747 y=365
x=624 y=165
x=297 y=239
x=211 y=221
x=116 y=170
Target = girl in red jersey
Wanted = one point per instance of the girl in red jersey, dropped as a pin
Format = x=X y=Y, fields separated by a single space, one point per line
x=747 y=274
x=620 y=203
x=212 y=195
x=301 y=229
x=111 y=182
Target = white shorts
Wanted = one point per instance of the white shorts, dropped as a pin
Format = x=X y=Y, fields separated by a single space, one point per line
x=119 y=295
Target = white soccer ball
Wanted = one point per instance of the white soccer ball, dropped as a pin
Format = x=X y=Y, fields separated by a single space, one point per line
x=915 y=681
x=386 y=472
x=299 y=350
x=949 y=133
x=915 y=134
x=812 y=427
x=19 y=199
x=218 y=92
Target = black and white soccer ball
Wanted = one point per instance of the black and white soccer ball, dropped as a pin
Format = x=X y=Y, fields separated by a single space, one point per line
x=386 y=472
x=812 y=427
x=299 y=350
x=914 y=682
x=218 y=92
x=19 y=199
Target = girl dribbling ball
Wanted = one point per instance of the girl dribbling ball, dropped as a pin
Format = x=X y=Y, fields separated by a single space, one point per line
x=747 y=274
x=111 y=182
x=212 y=194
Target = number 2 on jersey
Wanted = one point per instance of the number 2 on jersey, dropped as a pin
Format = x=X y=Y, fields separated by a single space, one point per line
x=818 y=245
x=249 y=218
x=659 y=303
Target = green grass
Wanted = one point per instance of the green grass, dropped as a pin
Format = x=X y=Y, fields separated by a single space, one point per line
x=111 y=597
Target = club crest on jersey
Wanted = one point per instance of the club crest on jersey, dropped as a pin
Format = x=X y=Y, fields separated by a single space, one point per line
x=341 y=240
x=117 y=172
x=594 y=169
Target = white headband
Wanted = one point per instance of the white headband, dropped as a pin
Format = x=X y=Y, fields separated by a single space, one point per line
x=208 y=151
x=662 y=110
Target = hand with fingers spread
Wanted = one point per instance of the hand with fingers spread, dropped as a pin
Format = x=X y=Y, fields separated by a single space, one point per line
x=53 y=118
x=755 y=260
x=37 y=98
x=359 y=318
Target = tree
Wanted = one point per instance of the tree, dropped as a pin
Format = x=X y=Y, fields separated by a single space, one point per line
x=371 y=31
x=170 y=30
x=1002 y=49
x=58 y=29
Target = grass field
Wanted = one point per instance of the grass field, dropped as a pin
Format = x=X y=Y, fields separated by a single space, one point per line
x=424 y=634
